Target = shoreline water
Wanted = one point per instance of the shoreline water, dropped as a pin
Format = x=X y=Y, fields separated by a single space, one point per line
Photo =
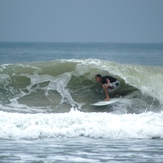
x=81 y=150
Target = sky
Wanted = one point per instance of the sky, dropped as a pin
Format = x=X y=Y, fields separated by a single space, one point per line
x=135 y=21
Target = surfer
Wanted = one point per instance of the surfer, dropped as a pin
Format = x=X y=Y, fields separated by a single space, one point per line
x=109 y=84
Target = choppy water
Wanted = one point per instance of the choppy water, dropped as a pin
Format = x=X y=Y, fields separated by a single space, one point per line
x=45 y=94
x=81 y=150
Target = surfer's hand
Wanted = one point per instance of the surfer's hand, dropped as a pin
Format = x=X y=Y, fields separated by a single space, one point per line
x=106 y=85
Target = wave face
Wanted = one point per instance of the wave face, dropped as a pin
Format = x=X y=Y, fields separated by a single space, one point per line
x=60 y=85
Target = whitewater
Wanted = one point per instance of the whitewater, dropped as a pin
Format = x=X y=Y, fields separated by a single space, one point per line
x=46 y=92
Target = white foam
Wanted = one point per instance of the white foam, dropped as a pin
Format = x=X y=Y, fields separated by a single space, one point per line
x=76 y=124
x=57 y=83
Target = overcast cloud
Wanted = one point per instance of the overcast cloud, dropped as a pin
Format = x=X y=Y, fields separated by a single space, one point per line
x=81 y=20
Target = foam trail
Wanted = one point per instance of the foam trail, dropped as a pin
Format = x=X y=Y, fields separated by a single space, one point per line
x=76 y=124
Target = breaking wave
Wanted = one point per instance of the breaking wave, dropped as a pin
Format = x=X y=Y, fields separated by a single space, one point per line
x=52 y=99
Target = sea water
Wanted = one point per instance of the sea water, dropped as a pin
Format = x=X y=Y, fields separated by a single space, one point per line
x=46 y=92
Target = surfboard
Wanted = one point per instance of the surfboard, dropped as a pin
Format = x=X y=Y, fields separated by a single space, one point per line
x=103 y=103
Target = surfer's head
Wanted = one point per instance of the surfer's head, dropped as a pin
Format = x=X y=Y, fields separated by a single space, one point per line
x=98 y=78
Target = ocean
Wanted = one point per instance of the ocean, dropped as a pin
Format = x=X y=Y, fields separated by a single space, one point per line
x=46 y=92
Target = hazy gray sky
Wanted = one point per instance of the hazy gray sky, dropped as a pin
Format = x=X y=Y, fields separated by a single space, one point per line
x=81 y=20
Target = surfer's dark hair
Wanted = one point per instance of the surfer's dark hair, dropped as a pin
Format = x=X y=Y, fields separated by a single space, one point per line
x=99 y=76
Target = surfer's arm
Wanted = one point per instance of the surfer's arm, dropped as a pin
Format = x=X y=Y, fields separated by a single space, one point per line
x=108 y=83
x=105 y=87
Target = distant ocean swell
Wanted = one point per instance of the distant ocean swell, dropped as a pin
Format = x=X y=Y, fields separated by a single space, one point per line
x=59 y=85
